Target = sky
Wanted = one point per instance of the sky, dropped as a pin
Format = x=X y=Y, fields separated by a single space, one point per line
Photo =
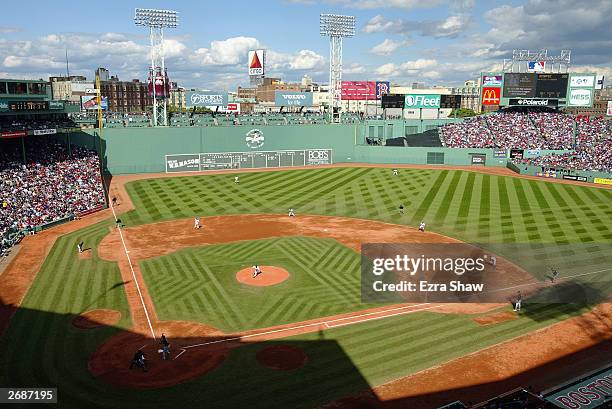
x=437 y=42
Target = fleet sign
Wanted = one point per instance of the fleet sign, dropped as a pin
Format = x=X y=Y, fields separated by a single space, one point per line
x=422 y=101
x=289 y=98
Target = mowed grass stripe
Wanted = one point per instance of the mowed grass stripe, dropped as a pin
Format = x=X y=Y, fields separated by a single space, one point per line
x=430 y=196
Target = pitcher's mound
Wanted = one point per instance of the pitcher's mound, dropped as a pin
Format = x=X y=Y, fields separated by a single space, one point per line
x=269 y=275
x=96 y=318
x=282 y=357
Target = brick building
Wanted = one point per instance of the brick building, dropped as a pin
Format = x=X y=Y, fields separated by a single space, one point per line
x=126 y=96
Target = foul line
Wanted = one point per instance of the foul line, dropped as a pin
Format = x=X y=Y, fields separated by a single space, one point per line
x=326 y=323
x=133 y=273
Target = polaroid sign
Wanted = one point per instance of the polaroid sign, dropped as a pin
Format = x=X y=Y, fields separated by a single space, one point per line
x=580 y=98
x=288 y=98
x=205 y=99
x=535 y=102
x=422 y=101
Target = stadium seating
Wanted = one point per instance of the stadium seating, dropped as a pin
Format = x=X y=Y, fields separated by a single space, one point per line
x=52 y=186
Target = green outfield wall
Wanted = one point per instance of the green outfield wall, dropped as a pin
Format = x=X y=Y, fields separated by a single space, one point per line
x=144 y=150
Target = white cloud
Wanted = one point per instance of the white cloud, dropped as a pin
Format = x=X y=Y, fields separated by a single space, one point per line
x=379 y=24
x=417 y=65
x=6 y=30
x=226 y=52
x=387 y=70
x=377 y=4
x=354 y=68
x=450 y=27
x=388 y=47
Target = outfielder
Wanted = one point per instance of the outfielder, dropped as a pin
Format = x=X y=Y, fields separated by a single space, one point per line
x=236 y=179
x=401 y=209
x=555 y=274
x=394 y=172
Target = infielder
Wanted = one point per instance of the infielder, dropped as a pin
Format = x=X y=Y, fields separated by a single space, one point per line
x=493 y=261
x=555 y=274
x=256 y=271
x=196 y=223
x=80 y=247
x=422 y=226
x=291 y=212
x=519 y=300
x=165 y=351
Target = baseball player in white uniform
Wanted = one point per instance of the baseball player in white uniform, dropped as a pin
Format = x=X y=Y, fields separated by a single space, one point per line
x=196 y=223
x=291 y=212
x=394 y=172
x=422 y=226
x=236 y=179
x=256 y=271
x=519 y=300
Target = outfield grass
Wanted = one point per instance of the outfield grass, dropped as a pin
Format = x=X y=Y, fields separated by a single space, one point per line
x=41 y=348
x=510 y=216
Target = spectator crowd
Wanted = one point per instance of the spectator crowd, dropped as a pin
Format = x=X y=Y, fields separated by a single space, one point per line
x=16 y=124
x=51 y=186
x=589 y=147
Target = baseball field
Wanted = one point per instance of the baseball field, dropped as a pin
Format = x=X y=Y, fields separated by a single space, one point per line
x=301 y=337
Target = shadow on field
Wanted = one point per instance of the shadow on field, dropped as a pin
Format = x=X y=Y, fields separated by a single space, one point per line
x=45 y=349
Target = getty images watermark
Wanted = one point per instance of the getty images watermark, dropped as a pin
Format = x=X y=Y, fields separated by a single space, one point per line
x=460 y=272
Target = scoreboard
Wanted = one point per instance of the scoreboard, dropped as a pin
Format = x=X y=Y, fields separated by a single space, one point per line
x=247 y=160
x=551 y=86
x=530 y=85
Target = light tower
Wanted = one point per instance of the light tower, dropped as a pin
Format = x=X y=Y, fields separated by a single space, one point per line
x=336 y=27
x=157 y=20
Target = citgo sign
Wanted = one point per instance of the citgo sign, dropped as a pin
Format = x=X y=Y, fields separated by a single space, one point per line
x=422 y=101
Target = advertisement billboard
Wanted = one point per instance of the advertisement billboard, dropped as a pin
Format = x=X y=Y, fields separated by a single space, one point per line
x=233 y=107
x=492 y=80
x=292 y=98
x=519 y=85
x=90 y=102
x=536 y=66
x=4 y=106
x=491 y=96
x=205 y=99
x=392 y=101
x=534 y=102
x=582 y=81
x=422 y=101
x=256 y=62
x=363 y=90
x=580 y=97
x=450 y=101
x=599 y=82
x=551 y=85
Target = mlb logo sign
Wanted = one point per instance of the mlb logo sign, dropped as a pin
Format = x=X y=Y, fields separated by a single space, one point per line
x=536 y=66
